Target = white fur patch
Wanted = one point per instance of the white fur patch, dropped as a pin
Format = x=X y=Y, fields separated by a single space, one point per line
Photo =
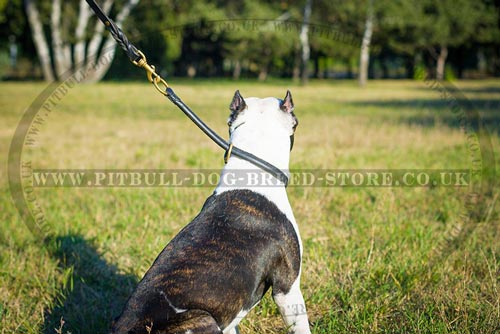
x=293 y=309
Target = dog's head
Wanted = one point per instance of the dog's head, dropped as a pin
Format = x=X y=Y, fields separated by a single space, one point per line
x=269 y=119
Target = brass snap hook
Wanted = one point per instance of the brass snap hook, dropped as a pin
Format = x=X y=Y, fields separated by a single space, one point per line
x=153 y=77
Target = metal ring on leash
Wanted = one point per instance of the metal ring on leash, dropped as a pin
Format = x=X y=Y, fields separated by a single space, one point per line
x=227 y=155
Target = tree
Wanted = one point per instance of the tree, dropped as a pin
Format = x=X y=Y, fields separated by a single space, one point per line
x=304 y=41
x=89 y=51
x=41 y=45
x=260 y=42
x=450 y=23
x=364 y=57
x=254 y=37
x=435 y=26
x=337 y=34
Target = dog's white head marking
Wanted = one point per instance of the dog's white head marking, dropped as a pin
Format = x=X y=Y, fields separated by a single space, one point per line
x=267 y=114
x=264 y=128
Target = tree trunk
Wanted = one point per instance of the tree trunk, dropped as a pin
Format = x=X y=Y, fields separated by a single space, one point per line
x=81 y=26
x=443 y=53
x=237 y=70
x=364 y=58
x=41 y=46
x=102 y=66
x=62 y=53
x=316 y=66
x=296 y=63
x=304 y=41
x=95 y=62
x=96 y=40
x=264 y=70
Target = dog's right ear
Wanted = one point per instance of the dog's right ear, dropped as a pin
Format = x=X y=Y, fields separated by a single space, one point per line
x=236 y=106
x=287 y=104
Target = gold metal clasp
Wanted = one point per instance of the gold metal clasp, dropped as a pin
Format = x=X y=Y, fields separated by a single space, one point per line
x=140 y=62
x=153 y=77
x=163 y=82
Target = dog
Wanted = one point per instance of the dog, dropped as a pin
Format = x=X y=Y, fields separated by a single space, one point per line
x=244 y=241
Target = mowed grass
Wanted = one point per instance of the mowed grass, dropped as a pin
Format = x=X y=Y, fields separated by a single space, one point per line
x=374 y=260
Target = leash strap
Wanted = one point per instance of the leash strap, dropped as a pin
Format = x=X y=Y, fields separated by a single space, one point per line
x=262 y=164
x=139 y=59
x=131 y=51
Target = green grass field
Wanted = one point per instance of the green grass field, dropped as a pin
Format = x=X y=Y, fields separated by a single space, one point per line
x=373 y=257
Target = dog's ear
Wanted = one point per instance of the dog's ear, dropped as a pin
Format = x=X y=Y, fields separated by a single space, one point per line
x=238 y=104
x=287 y=103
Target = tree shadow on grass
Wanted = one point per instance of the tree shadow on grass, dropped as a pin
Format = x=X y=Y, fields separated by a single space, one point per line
x=95 y=293
x=483 y=89
x=430 y=112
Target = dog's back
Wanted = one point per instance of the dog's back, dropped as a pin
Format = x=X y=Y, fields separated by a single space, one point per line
x=181 y=292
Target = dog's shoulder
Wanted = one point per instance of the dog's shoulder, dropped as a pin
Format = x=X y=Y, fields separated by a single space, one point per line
x=245 y=210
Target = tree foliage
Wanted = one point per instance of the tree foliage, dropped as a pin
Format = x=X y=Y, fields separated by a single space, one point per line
x=260 y=38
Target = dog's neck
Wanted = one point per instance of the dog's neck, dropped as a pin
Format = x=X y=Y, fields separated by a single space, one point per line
x=273 y=147
x=274 y=150
x=241 y=174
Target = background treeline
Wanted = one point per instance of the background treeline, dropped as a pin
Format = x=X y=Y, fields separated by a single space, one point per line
x=255 y=38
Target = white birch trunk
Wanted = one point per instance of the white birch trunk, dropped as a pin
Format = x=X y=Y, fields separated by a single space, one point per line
x=81 y=26
x=86 y=57
x=62 y=53
x=364 y=57
x=41 y=46
x=107 y=55
x=95 y=42
x=304 y=41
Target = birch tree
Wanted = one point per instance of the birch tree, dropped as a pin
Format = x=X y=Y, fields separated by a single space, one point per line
x=92 y=51
x=364 y=57
x=304 y=41
x=41 y=45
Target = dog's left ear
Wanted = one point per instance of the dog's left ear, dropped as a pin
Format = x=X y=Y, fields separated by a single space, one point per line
x=237 y=104
x=287 y=103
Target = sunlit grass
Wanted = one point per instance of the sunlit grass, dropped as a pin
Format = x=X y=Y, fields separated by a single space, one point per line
x=367 y=250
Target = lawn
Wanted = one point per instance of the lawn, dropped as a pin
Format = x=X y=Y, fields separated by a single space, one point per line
x=376 y=259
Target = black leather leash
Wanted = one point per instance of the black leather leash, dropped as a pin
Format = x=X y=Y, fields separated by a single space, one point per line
x=139 y=59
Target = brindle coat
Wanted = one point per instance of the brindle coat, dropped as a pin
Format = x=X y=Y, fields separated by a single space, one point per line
x=223 y=262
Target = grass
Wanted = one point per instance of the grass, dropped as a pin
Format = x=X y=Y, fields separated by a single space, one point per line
x=371 y=264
